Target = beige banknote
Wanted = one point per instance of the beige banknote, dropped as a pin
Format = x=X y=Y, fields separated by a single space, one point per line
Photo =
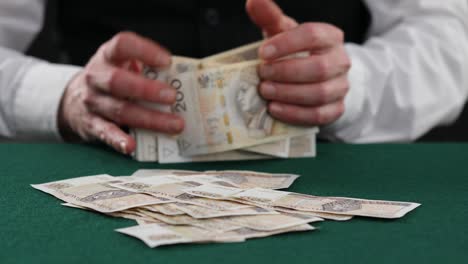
x=168 y=152
x=241 y=179
x=154 y=235
x=268 y=222
x=201 y=212
x=244 y=53
x=223 y=111
x=172 y=188
x=214 y=224
x=303 y=202
x=167 y=209
x=271 y=222
x=95 y=192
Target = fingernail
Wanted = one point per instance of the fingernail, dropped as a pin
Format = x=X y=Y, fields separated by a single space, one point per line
x=268 y=90
x=163 y=59
x=167 y=95
x=275 y=108
x=266 y=71
x=175 y=125
x=123 y=147
x=268 y=51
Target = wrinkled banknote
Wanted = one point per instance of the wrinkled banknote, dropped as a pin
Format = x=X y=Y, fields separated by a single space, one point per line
x=241 y=179
x=167 y=209
x=201 y=212
x=95 y=192
x=218 y=98
x=304 y=202
x=155 y=235
x=223 y=111
x=172 y=188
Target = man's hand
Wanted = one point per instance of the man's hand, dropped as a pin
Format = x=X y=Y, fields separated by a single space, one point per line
x=100 y=98
x=303 y=90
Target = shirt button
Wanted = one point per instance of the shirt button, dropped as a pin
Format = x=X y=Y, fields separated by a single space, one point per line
x=212 y=16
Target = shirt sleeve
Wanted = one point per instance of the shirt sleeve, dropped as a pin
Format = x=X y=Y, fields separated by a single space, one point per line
x=30 y=89
x=30 y=95
x=409 y=76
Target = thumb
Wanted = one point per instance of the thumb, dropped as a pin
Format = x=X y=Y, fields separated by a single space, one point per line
x=267 y=15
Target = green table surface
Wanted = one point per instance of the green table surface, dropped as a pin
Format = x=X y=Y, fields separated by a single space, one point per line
x=35 y=228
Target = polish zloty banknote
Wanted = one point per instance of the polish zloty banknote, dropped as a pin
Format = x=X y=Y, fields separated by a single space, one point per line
x=244 y=53
x=168 y=152
x=271 y=222
x=95 y=192
x=172 y=188
x=303 y=202
x=214 y=224
x=223 y=111
x=241 y=179
x=154 y=235
x=201 y=212
x=169 y=148
x=167 y=209
x=326 y=216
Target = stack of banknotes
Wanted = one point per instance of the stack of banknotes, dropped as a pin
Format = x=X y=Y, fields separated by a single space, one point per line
x=225 y=117
x=173 y=207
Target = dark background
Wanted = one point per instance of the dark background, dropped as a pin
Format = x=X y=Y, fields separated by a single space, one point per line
x=53 y=44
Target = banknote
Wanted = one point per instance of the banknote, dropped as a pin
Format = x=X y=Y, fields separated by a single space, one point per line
x=223 y=111
x=271 y=222
x=128 y=214
x=241 y=179
x=147 y=145
x=168 y=152
x=214 y=224
x=244 y=53
x=304 y=202
x=294 y=147
x=172 y=188
x=246 y=109
x=167 y=209
x=154 y=235
x=224 y=224
x=303 y=146
x=201 y=212
x=95 y=192
x=327 y=216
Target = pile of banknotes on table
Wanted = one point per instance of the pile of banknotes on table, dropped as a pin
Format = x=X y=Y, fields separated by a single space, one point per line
x=225 y=117
x=173 y=207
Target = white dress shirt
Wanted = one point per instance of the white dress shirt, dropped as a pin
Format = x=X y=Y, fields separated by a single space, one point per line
x=409 y=76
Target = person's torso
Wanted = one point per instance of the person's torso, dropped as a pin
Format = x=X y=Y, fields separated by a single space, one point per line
x=194 y=28
x=190 y=28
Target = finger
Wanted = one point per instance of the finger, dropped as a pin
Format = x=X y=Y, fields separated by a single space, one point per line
x=125 y=84
x=130 y=46
x=307 y=116
x=124 y=112
x=311 y=94
x=315 y=68
x=313 y=37
x=267 y=15
x=111 y=134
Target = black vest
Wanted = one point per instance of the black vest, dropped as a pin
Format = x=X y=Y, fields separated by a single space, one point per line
x=194 y=28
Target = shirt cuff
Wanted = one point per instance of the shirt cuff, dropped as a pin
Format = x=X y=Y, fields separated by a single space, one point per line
x=38 y=100
x=343 y=129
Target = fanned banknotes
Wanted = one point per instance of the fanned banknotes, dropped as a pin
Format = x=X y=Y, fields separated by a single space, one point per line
x=177 y=206
x=225 y=117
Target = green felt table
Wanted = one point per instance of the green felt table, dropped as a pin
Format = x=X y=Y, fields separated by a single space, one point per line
x=35 y=228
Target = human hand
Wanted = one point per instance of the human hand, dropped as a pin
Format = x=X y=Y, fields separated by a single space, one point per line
x=100 y=98
x=302 y=90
